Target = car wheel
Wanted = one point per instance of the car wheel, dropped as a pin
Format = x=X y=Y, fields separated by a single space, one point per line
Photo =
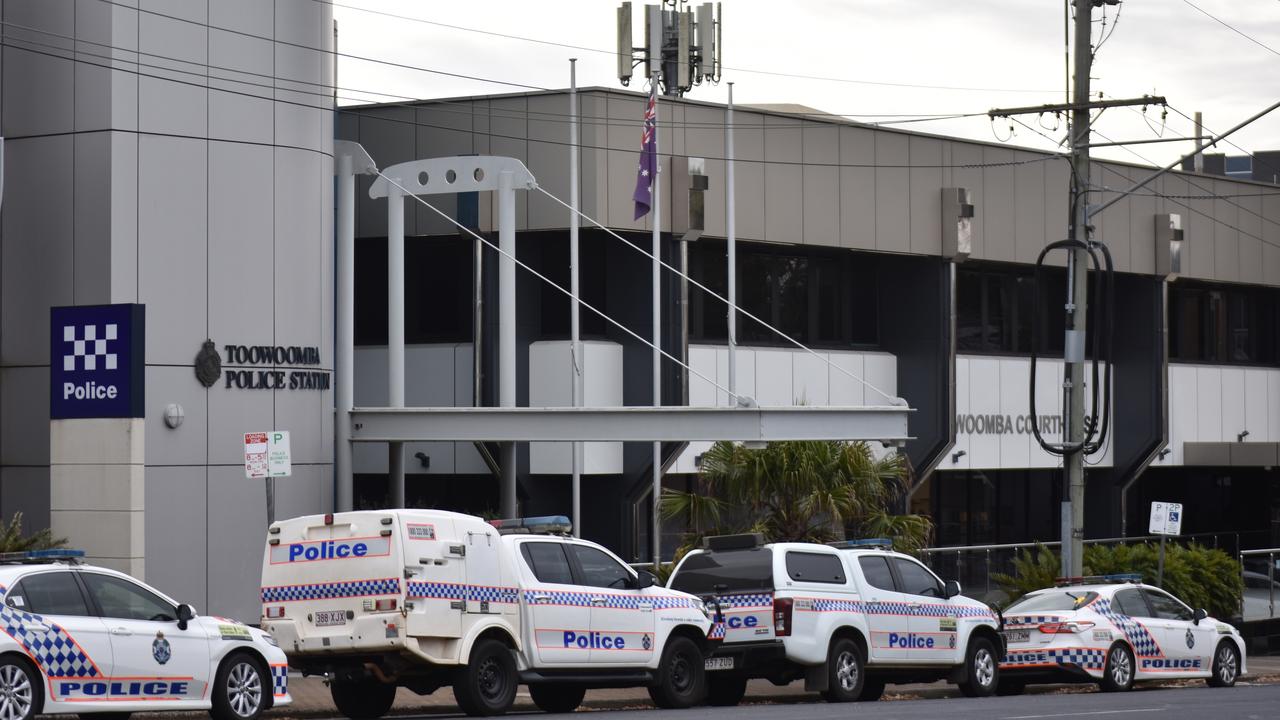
x=240 y=689
x=1117 y=674
x=872 y=689
x=725 y=690
x=981 y=669
x=20 y=697
x=487 y=685
x=1006 y=688
x=364 y=699
x=557 y=697
x=682 y=678
x=845 y=675
x=1226 y=665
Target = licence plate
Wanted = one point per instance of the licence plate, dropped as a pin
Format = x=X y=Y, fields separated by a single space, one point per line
x=329 y=618
x=720 y=663
x=1017 y=636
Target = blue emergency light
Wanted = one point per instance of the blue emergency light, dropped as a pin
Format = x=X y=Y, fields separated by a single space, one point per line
x=863 y=544
x=541 y=525
x=42 y=556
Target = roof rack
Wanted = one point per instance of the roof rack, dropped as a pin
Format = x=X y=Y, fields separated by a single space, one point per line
x=1114 y=578
x=741 y=541
x=863 y=544
x=33 y=557
x=541 y=525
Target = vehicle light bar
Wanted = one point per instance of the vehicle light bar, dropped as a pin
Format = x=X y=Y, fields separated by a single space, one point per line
x=42 y=556
x=742 y=541
x=863 y=544
x=541 y=525
x=1099 y=579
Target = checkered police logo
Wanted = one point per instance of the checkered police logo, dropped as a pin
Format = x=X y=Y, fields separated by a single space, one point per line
x=90 y=347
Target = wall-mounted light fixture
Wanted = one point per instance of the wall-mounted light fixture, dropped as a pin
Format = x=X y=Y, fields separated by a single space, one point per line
x=1164 y=453
x=1240 y=436
x=697 y=460
x=955 y=456
x=424 y=459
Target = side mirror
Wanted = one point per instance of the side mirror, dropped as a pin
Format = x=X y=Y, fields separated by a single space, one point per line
x=1199 y=615
x=185 y=615
x=644 y=579
x=952 y=589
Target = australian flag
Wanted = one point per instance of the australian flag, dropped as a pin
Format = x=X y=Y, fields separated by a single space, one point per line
x=648 y=168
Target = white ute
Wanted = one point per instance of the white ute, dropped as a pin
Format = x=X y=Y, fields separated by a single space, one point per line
x=424 y=599
x=847 y=617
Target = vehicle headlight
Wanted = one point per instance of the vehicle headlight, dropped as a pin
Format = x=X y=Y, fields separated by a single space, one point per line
x=270 y=639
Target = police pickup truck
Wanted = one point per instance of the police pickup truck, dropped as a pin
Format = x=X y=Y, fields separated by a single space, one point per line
x=425 y=599
x=847 y=618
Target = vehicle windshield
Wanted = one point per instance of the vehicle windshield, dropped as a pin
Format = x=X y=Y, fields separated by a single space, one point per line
x=1053 y=600
x=723 y=573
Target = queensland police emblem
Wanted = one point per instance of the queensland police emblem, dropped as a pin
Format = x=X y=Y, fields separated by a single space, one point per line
x=208 y=364
x=951 y=641
x=648 y=643
x=1191 y=639
x=160 y=649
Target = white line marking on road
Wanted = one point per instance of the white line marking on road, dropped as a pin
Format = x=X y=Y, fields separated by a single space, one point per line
x=1081 y=714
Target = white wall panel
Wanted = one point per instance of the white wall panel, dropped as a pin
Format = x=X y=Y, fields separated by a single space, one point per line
x=1209 y=404
x=551 y=385
x=1233 y=403
x=1256 y=397
x=1184 y=401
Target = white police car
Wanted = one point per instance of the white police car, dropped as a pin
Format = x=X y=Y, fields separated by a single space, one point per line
x=83 y=639
x=426 y=599
x=1114 y=630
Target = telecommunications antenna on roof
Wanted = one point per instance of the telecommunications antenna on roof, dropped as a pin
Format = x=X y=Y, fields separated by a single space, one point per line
x=681 y=45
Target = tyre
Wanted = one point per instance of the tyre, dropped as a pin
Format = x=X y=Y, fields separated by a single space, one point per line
x=681 y=675
x=364 y=699
x=1117 y=674
x=240 y=689
x=1006 y=688
x=845 y=675
x=487 y=685
x=20 y=689
x=981 y=669
x=1226 y=665
x=557 y=698
x=872 y=689
x=725 y=690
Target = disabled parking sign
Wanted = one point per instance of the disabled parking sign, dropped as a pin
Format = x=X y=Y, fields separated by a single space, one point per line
x=1166 y=518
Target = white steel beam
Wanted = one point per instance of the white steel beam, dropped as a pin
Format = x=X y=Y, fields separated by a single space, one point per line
x=635 y=423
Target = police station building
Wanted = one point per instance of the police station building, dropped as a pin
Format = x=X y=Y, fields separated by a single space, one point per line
x=167 y=286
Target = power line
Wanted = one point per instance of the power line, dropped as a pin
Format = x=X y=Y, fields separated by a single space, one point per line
x=1233 y=29
x=1229 y=142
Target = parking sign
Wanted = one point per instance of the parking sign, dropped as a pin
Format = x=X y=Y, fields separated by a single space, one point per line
x=1166 y=518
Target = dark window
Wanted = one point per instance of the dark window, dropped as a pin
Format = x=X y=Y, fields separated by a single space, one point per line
x=815 y=567
x=1053 y=600
x=1165 y=607
x=548 y=562
x=995 y=309
x=51 y=593
x=128 y=601
x=1129 y=602
x=916 y=580
x=437 y=290
x=1222 y=324
x=725 y=572
x=548 y=253
x=876 y=571
x=600 y=570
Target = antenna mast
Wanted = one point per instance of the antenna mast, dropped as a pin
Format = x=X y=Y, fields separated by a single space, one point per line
x=681 y=45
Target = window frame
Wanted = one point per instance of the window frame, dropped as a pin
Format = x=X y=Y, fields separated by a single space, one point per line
x=844 y=575
x=893 y=576
x=91 y=609
x=528 y=562
x=1148 y=593
x=902 y=585
x=580 y=572
x=1137 y=591
x=81 y=576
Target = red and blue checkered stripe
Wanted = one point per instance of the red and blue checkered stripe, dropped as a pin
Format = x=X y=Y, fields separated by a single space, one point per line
x=279 y=680
x=53 y=649
x=329 y=591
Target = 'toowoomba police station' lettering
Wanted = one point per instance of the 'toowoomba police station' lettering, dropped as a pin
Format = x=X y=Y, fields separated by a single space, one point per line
x=252 y=379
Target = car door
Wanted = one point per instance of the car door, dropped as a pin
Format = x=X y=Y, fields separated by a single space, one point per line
x=886 y=609
x=622 y=617
x=820 y=587
x=932 y=625
x=557 y=611
x=1187 y=646
x=1130 y=613
x=48 y=614
x=159 y=662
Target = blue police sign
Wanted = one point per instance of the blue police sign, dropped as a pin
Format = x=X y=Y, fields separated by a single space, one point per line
x=96 y=361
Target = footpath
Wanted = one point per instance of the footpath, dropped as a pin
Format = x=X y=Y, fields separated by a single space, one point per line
x=311 y=695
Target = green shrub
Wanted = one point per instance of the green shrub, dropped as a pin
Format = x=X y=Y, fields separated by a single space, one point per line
x=12 y=539
x=1199 y=576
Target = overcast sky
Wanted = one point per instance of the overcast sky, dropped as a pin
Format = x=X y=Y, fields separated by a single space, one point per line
x=1008 y=53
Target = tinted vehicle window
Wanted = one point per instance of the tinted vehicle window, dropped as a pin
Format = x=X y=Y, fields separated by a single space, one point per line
x=53 y=593
x=876 y=570
x=1165 y=607
x=916 y=580
x=123 y=599
x=725 y=572
x=1129 y=602
x=600 y=570
x=815 y=567
x=1054 y=600
x=548 y=562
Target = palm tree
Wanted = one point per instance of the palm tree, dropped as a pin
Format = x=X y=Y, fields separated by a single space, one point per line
x=805 y=491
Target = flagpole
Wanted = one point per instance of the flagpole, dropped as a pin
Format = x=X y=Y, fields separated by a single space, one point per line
x=731 y=232
x=657 y=325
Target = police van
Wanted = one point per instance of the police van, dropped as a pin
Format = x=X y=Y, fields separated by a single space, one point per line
x=425 y=599
x=82 y=639
x=847 y=618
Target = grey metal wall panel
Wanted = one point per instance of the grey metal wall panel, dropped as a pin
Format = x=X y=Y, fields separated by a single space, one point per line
x=232 y=114
x=926 y=196
x=233 y=412
x=508 y=133
x=749 y=149
x=783 y=180
x=443 y=131
x=169 y=102
x=1200 y=237
x=893 y=193
x=36 y=260
x=188 y=443
x=124 y=217
x=705 y=136
x=1113 y=224
x=997 y=205
x=92 y=247
x=388 y=135
x=176 y=531
x=821 y=184
x=1254 y=454
x=241 y=228
x=1028 y=210
x=1271 y=233
x=298 y=114
x=38 y=90
x=237 y=522
x=1142 y=229
x=1251 y=234
x=26 y=490
x=550 y=161
x=1207 y=454
x=24 y=416
x=1226 y=233
x=1057 y=186
x=857 y=188
x=591 y=133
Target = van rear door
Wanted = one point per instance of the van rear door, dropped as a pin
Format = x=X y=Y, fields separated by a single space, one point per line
x=742 y=580
x=435 y=565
